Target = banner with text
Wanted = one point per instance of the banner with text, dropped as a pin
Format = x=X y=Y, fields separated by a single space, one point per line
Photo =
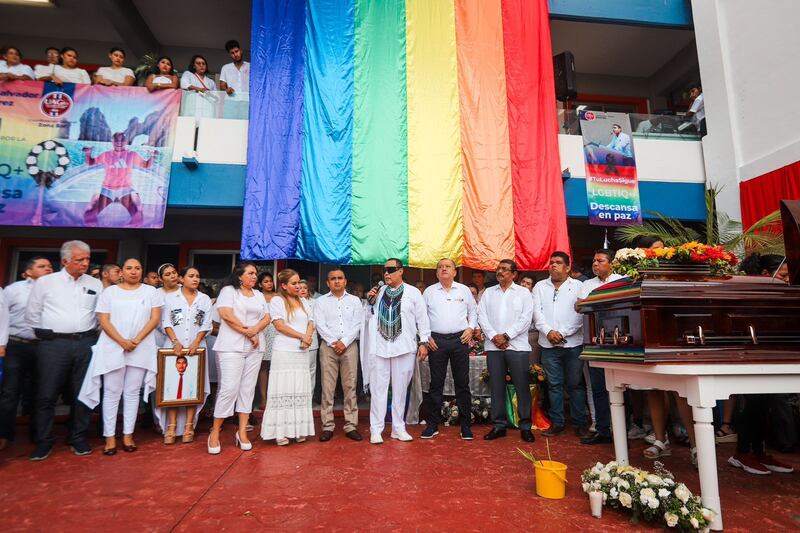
x=85 y=155
x=612 y=187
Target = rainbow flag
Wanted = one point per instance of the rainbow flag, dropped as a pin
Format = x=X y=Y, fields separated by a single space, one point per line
x=416 y=129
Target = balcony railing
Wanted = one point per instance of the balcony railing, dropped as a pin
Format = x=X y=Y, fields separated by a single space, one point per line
x=215 y=104
x=668 y=127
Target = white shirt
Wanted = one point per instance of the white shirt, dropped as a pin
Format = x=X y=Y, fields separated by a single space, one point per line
x=554 y=309
x=451 y=310
x=72 y=75
x=298 y=321
x=17 y=295
x=249 y=310
x=237 y=78
x=118 y=75
x=63 y=304
x=43 y=71
x=591 y=284
x=338 y=318
x=190 y=78
x=699 y=110
x=509 y=312
x=185 y=320
x=18 y=70
x=414 y=319
x=3 y=319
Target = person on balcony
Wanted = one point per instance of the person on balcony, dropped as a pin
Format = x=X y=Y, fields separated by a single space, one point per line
x=67 y=71
x=12 y=69
x=195 y=79
x=234 y=78
x=697 y=111
x=117 y=73
x=162 y=77
x=45 y=72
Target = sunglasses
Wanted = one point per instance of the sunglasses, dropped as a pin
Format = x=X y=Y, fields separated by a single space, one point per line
x=391 y=270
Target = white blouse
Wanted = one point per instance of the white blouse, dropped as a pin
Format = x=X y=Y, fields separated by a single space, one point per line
x=115 y=74
x=72 y=75
x=298 y=322
x=128 y=312
x=249 y=310
x=187 y=321
x=190 y=78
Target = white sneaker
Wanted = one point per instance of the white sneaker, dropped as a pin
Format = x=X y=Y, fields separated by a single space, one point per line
x=402 y=436
x=636 y=432
x=375 y=438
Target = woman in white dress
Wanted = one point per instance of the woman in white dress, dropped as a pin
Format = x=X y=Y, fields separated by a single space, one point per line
x=125 y=354
x=168 y=276
x=267 y=285
x=186 y=320
x=163 y=77
x=117 y=73
x=244 y=316
x=288 y=413
x=313 y=350
x=195 y=79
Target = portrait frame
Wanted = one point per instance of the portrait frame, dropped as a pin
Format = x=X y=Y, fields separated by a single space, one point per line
x=165 y=377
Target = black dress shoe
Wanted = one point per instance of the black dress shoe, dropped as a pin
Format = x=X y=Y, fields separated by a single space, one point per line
x=597 y=438
x=526 y=435
x=494 y=434
x=353 y=434
x=325 y=436
x=552 y=431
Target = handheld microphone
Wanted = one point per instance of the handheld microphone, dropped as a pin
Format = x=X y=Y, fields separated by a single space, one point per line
x=371 y=300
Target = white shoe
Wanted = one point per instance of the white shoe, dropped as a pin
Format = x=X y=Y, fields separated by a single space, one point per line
x=213 y=450
x=375 y=438
x=402 y=436
x=245 y=446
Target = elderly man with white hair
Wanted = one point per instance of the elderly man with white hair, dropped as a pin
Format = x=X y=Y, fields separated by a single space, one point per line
x=61 y=311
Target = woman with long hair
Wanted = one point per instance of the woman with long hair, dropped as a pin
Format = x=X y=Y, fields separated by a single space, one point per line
x=186 y=321
x=266 y=284
x=125 y=354
x=162 y=76
x=288 y=413
x=244 y=316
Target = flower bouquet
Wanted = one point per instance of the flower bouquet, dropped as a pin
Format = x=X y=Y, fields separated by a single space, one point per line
x=479 y=411
x=476 y=343
x=714 y=259
x=654 y=497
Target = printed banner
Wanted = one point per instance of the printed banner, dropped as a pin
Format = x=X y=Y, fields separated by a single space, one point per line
x=612 y=187
x=85 y=155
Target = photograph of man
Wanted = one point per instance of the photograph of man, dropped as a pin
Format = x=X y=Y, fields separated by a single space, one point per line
x=180 y=378
x=620 y=142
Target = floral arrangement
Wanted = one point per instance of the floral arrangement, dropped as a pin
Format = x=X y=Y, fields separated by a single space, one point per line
x=654 y=497
x=630 y=261
x=479 y=411
x=476 y=343
x=536 y=372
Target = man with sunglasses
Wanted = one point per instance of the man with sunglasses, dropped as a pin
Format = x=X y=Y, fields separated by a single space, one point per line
x=398 y=316
x=504 y=315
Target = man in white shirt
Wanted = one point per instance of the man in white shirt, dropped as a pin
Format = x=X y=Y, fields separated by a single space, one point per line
x=504 y=315
x=697 y=112
x=620 y=142
x=397 y=320
x=453 y=315
x=234 y=78
x=338 y=317
x=19 y=364
x=46 y=71
x=561 y=338
x=61 y=312
x=601 y=266
x=110 y=274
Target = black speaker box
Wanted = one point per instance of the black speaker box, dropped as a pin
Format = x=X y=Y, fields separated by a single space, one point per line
x=564 y=69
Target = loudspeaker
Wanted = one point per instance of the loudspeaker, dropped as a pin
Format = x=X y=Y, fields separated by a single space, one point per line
x=564 y=70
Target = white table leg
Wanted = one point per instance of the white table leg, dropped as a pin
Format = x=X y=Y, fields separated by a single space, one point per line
x=707 y=462
x=617 y=401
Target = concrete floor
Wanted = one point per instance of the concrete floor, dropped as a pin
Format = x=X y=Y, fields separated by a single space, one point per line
x=443 y=484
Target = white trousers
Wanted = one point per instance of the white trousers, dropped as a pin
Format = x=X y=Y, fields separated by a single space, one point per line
x=589 y=397
x=238 y=374
x=125 y=382
x=398 y=371
x=312 y=368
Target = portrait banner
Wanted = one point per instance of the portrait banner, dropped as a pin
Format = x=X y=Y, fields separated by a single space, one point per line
x=85 y=155
x=612 y=187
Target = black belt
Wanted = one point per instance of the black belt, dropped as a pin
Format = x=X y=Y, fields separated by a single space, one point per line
x=448 y=336
x=75 y=336
x=14 y=338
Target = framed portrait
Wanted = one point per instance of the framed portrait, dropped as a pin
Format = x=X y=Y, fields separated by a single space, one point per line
x=181 y=378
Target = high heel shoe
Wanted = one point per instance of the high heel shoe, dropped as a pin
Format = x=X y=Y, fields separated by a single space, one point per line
x=245 y=446
x=213 y=450
x=169 y=436
x=188 y=433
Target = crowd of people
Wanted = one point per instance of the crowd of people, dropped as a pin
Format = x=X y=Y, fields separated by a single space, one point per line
x=92 y=333
x=61 y=66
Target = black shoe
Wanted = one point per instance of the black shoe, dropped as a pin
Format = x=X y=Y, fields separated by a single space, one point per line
x=325 y=436
x=526 y=435
x=597 y=438
x=582 y=432
x=466 y=433
x=81 y=448
x=494 y=434
x=354 y=435
x=553 y=431
x=430 y=432
x=41 y=452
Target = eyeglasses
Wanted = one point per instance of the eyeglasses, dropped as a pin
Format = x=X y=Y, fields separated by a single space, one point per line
x=503 y=269
x=390 y=270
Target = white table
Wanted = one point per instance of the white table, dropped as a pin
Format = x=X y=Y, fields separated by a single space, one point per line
x=702 y=385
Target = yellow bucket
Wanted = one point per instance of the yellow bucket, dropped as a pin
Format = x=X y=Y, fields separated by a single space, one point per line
x=551 y=479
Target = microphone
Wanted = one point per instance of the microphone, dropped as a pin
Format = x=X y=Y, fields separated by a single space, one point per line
x=371 y=300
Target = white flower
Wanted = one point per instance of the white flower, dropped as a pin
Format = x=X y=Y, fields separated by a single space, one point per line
x=623 y=484
x=614 y=493
x=684 y=510
x=671 y=519
x=647 y=493
x=668 y=482
x=585 y=487
x=708 y=514
x=694 y=522
x=605 y=477
x=682 y=493
x=605 y=497
x=654 y=479
x=625 y=499
x=663 y=493
x=653 y=503
x=626 y=254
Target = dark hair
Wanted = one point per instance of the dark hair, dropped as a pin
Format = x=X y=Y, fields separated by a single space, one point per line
x=67 y=49
x=163 y=267
x=195 y=58
x=264 y=275
x=646 y=241
x=562 y=255
x=52 y=48
x=185 y=270
x=511 y=263
x=32 y=261
x=182 y=357
x=616 y=126
x=5 y=49
x=481 y=272
x=755 y=263
x=116 y=49
x=94 y=266
x=397 y=262
x=171 y=64
x=336 y=269
x=446 y=259
x=233 y=278
x=695 y=84
x=109 y=266
x=606 y=252
x=230 y=45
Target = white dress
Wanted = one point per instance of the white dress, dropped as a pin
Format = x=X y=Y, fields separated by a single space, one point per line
x=288 y=413
x=186 y=321
x=129 y=311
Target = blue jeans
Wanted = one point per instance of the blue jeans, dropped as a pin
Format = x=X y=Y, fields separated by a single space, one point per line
x=564 y=369
x=602 y=409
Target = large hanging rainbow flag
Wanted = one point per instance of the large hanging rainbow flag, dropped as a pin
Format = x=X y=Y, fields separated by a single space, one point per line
x=416 y=129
